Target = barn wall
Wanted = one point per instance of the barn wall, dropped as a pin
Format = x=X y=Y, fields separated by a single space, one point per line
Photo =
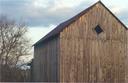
x=86 y=56
x=126 y=60
x=46 y=61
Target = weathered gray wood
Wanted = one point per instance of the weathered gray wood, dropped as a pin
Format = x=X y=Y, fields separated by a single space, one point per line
x=46 y=61
x=88 y=57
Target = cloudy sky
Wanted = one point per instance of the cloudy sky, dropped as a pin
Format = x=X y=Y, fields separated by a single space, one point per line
x=42 y=16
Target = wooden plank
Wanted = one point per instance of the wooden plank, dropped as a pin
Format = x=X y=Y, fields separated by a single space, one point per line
x=90 y=57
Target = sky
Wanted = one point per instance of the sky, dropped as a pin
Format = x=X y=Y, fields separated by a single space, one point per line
x=41 y=16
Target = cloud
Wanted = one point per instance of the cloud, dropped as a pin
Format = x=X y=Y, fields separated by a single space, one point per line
x=42 y=13
x=36 y=33
x=121 y=13
x=54 y=12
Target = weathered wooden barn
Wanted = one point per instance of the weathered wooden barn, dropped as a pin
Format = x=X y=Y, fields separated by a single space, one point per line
x=90 y=47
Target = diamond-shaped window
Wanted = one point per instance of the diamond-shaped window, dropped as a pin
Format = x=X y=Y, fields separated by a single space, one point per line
x=98 y=29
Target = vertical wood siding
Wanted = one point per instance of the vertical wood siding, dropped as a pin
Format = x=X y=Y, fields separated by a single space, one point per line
x=46 y=61
x=88 y=57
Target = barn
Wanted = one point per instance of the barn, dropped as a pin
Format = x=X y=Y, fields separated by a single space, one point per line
x=90 y=47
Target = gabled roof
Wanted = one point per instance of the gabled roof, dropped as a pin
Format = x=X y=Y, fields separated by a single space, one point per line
x=63 y=25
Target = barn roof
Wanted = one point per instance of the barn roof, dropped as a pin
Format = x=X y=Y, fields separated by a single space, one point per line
x=63 y=25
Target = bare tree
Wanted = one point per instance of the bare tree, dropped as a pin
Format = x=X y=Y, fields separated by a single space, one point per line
x=13 y=42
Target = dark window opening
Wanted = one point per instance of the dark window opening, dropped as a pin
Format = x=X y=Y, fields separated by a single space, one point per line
x=98 y=29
